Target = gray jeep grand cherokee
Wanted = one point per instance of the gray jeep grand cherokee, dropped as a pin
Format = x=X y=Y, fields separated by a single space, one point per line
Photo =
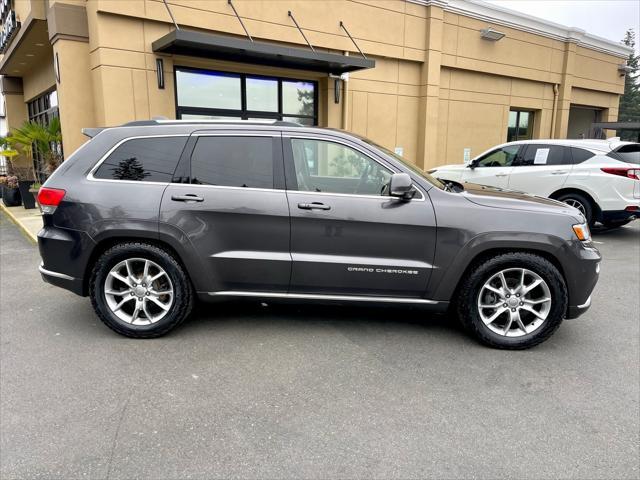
x=148 y=216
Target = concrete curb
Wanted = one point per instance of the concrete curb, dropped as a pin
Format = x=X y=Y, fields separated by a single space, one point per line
x=25 y=231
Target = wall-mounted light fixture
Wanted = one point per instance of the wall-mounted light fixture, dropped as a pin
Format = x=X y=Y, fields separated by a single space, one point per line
x=491 y=34
x=623 y=69
x=160 y=73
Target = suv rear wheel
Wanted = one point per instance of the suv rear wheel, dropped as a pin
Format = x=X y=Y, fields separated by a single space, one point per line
x=140 y=290
x=580 y=202
x=513 y=301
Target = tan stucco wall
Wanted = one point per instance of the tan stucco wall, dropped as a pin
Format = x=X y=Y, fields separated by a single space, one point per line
x=437 y=87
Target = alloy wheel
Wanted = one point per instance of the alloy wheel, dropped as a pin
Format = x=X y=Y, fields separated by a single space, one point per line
x=576 y=204
x=514 y=302
x=138 y=291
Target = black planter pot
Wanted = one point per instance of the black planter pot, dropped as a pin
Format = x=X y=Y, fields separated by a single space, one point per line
x=28 y=200
x=11 y=196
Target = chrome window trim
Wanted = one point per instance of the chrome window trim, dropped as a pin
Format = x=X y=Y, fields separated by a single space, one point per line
x=314 y=296
x=332 y=139
x=227 y=187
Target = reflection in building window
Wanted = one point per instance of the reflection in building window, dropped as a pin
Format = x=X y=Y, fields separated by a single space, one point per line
x=205 y=94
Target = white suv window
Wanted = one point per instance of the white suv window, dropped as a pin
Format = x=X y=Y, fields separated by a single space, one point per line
x=323 y=166
x=541 y=155
x=502 y=157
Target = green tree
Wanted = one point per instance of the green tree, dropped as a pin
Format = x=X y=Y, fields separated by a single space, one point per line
x=630 y=100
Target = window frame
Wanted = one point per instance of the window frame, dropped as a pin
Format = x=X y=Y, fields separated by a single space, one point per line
x=185 y=164
x=94 y=169
x=243 y=113
x=290 y=169
x=530 y=127
x=513 y=163
x=566 y=155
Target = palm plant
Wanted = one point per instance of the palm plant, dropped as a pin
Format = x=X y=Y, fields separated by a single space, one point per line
x=44 y=137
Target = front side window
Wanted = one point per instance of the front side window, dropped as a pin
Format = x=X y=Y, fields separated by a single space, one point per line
x=323 y=166
x=502 y=157
x=233 y=162
x=540 y=155
x=520 y=125
x=143 y=159
x=206 y=94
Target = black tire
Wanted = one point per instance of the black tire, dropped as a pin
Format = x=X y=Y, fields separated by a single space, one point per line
x=587 y=206
x=469 y=292
x=183 y=293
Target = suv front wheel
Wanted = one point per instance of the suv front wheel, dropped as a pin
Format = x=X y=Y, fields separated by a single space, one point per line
x=513 y=300
x=140 y=290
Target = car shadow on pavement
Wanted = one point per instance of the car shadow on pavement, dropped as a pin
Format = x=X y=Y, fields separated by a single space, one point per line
x=291 y=316
x=622 y=233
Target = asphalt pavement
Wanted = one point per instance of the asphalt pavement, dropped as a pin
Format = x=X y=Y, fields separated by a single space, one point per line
x=247 y=391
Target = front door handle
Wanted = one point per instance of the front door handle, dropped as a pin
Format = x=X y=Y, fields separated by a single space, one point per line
x=189 y=197
x=314 y=206
x=501 y=174
x=560 y=172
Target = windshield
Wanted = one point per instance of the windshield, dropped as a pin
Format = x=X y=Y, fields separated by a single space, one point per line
x=432 y=180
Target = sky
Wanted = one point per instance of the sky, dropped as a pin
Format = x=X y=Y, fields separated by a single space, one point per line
x=606 y=18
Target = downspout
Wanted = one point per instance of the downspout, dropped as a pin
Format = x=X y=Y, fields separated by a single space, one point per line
x=345 y=97
x=554 y=110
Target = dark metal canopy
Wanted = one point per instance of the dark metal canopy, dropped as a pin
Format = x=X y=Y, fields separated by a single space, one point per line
x=617 y=125
x=184 y=42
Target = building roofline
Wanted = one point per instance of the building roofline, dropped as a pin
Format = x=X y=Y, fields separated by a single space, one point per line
x=496 y=15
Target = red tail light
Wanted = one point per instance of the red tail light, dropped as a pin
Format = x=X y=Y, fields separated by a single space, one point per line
x=50 y=198
x=632 y=173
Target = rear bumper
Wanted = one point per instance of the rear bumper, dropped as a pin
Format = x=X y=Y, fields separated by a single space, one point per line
x=64 y=254
x=62 y=280
x=620 y=215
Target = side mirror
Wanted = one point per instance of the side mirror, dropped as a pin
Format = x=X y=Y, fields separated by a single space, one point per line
x=472 y=164
x=401 y=186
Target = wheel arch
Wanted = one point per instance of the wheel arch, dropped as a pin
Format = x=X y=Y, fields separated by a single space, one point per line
x=597 y=211
x=485 y=255
x=109 y=242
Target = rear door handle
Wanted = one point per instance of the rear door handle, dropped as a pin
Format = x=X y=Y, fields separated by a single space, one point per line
x=189 y=197
x=560 y=172
x=501 y=174
x=314 y=206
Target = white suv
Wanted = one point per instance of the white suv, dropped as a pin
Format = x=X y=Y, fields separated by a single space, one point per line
x=601 y=178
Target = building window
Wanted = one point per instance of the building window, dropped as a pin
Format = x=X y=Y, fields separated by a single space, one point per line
x=41 y=110
x=205 y=94
x=520 y=125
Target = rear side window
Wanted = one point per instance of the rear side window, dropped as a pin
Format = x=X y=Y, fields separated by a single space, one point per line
x=545 y=155
x=143 y=159
x=628 y=153
x=233 y=162
x=580 y=155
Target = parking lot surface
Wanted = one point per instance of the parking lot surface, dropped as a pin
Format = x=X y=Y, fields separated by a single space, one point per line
x=247 y=391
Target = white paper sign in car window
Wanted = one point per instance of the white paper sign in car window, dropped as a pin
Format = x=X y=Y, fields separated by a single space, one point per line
x=541 y=156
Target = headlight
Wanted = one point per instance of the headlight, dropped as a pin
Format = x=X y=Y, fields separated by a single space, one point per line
x=582 y=232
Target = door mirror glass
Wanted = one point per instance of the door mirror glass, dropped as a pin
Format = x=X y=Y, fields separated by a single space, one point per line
x=401 y=186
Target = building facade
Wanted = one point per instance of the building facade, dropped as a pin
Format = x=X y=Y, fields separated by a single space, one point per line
x=434 y=80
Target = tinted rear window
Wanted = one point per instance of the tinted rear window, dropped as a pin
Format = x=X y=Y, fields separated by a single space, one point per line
x=628 y=153
x=580 y=154
x=545 y=155
x=143 y=159
x=233 y=162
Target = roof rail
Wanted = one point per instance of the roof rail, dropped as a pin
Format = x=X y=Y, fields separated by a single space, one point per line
x=142 y=123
